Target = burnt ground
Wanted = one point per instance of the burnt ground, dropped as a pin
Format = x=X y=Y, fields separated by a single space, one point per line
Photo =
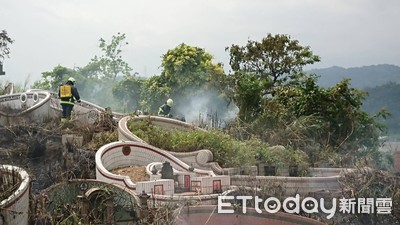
x=40 y=152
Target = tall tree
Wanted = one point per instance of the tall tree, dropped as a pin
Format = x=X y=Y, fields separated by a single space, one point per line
x=274 y=60
x=342 y=122
x=263 y=66
x=128 y=91
x=186 y=71
x=188 y=67
x=154 y=92
x=51 y=79
x=111 y=64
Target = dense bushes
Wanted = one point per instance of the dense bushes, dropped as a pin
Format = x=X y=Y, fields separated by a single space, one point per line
x=227 y=151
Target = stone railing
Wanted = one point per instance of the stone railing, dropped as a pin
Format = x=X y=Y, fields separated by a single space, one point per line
x=15 y=208
x=321 y=179
x=84 y=111
x=201 y=159
x=29 y=107
x=123 y=154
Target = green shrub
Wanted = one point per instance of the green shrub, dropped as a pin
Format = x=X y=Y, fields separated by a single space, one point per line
x=227 y=151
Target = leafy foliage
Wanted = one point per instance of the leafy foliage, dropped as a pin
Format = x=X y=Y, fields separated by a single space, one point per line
x=5 y=41
x=129 y=92
x=154 y=93
x=111 y=63
x=186 y=72
x=305 y=116
x=226 y=150
x=277 y=102
x=260 y=67
x=274 y=60
x=93 y=80
x=283 y=106
x=186 y=67
x=52 y=79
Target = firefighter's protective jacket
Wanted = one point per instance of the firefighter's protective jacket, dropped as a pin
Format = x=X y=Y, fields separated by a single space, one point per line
x=68 y=93
x=164 y=110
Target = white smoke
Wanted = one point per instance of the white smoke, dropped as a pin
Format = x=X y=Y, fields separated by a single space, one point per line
x=205 y=107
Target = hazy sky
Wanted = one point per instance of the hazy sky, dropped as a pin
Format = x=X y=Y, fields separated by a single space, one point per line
x=47 y=33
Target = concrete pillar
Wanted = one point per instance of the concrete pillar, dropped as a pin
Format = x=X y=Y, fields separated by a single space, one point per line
x=83 y=208
x=143 y=211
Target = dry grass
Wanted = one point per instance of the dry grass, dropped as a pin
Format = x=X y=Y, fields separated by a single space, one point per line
x=136 y=173
x=9 y=183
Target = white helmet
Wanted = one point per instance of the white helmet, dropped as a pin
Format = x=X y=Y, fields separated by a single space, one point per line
x=170 y=102
x=72 y=80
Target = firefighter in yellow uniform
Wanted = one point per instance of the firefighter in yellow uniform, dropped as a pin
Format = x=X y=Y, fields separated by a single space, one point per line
x=68 y=95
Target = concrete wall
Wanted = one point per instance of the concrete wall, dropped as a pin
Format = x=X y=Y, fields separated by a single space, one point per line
x=207 y=183
x=327 y=172
x=292 y=185
x=167 y=187
x=15 y=209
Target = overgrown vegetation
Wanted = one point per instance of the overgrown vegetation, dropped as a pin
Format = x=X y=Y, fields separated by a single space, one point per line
x=227 y=151
x=366 y=183
x=278 y=105
x=361 y=183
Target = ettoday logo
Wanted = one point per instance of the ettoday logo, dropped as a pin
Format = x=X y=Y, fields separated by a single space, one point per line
x=310 y=205
x=274 y=205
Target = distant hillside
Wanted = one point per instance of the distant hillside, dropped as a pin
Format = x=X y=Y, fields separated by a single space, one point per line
x=361 y=77
x=385 y=97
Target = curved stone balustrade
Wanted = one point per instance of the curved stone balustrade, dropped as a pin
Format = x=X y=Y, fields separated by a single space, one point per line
x=25 y=108
x=36 y=105
x=201 y=159
x=15 y=208
x=321 y=179
x=123 y=154
x=81 y=108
